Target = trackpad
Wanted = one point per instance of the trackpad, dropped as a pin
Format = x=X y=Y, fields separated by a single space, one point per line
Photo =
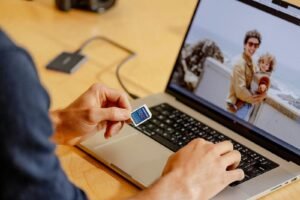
x=138 y=156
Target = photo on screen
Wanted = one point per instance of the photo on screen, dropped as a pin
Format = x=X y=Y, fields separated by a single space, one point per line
x=246 y=62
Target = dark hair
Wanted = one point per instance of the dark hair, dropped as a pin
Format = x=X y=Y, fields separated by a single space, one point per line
x=252 y=34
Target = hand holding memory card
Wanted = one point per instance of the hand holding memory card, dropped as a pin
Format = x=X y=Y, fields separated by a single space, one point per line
x=140 y=115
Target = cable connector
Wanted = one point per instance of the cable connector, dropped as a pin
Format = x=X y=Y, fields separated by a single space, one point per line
x=69 y=62
x=131 y=55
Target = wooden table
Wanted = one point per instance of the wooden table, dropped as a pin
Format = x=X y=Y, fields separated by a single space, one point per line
x=154 y=29
x=294 y=2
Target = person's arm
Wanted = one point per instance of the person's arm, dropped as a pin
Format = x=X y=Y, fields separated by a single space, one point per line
x=264 y=84
x=98 y=108
x=198 y=171
x=240 y=84
x=262 y=88
x=29 y=167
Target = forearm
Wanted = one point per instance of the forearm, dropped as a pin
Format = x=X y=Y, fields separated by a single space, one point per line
x=169 y=187
x=55 y=118
x=62 y=134
x=244 y=95
x=58 y=136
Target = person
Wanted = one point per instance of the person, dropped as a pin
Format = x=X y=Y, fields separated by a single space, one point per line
x=261 y=81
x=240 y=99
x=30 y=168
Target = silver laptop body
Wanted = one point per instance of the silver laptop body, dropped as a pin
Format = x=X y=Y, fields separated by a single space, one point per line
x=273 y=129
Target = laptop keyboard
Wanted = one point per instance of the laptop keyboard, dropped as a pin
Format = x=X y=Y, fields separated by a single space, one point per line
x=174 y=129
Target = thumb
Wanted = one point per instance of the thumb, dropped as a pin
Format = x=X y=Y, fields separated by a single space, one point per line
x=111 y=114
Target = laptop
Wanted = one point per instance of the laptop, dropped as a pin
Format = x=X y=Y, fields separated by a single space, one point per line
x=194 y=102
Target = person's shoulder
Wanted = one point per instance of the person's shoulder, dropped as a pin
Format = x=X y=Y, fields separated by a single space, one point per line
x=19 y=78
x=9 y=48
x=240 y=59
x=238 y=62
x=14 y=60
x=17 y=72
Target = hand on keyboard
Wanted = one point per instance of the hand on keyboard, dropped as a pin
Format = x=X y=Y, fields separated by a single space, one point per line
x=202 y=169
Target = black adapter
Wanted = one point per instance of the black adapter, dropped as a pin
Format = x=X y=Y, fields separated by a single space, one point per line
x=67 y=62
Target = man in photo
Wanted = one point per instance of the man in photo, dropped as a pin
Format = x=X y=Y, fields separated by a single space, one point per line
x=240 y=99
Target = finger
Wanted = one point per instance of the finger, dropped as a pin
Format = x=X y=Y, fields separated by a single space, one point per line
x=196 y=147
x=115 y=128
x=128 y=121
x=196 y=144
x=110 y=114
x=231 y=160
x=101 y=125
x=223 y=147
x=115 y=96
x=198 y=141
x=112 y=129
x=234 y=175
x=256 y=97
x=259 y=97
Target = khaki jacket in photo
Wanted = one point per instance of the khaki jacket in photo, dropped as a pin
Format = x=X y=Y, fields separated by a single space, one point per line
x=240 y=83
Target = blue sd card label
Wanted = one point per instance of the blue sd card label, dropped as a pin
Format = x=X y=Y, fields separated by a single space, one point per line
x=140 y=115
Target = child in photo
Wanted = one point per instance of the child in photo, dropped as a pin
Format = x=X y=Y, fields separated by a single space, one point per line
x=262 y=81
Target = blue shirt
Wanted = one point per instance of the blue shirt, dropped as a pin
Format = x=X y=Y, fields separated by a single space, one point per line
x=29 y=168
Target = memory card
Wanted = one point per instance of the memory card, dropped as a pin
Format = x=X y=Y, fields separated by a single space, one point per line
x=140 y=115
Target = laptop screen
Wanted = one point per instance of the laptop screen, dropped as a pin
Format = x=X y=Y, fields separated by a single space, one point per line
x=241 y=59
